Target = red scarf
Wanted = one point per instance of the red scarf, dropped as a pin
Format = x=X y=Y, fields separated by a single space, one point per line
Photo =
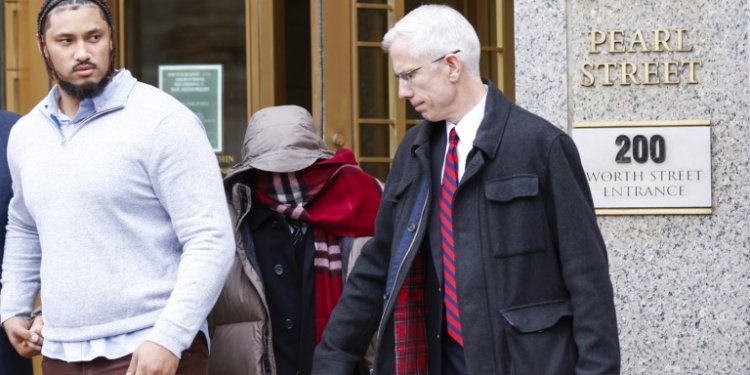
x=336 y=198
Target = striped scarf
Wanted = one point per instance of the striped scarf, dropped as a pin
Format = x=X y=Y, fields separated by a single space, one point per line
x=336 y=198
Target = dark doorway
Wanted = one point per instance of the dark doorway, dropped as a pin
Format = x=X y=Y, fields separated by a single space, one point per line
x=295 y=84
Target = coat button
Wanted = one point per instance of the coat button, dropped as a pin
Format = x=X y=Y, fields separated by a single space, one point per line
x=411 y=227
x=278 y=269
x=288 y=323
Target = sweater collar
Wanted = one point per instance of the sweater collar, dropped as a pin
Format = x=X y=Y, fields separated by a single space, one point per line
x=114 y=95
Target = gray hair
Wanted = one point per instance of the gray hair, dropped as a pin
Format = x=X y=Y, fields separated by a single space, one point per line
x=435 y=30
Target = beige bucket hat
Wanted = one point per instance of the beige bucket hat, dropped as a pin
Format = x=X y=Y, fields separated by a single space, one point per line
x=280 y=139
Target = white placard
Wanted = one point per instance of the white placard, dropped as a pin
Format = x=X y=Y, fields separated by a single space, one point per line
x=631 y=165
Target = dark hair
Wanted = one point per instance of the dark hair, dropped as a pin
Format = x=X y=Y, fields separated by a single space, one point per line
x=50 y=5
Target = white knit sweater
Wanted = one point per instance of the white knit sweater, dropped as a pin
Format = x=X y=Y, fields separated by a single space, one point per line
x=124 y=224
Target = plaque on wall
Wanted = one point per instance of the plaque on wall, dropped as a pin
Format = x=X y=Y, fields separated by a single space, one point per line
x=198 y=87
x=647 y=167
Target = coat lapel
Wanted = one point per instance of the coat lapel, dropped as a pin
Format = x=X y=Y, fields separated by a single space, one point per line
x=490 y=133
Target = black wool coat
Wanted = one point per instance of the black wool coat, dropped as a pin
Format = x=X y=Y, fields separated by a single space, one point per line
x=532 y=272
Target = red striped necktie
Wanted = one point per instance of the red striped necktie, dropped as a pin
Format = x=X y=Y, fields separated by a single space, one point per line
x=450 y=294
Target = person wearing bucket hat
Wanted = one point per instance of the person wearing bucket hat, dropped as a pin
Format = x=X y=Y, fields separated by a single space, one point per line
x=118 y=217
x=301 y=214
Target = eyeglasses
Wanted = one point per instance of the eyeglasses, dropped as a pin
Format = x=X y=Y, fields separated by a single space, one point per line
x=409 y=74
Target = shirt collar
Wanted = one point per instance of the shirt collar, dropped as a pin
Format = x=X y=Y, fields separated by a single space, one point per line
x=467 y=127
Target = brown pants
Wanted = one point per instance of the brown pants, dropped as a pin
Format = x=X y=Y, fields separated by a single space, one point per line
x=194 y=362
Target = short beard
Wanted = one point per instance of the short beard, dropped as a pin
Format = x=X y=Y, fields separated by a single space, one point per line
x=84 y=91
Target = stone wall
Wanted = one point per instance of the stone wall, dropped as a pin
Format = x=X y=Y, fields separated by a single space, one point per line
x=682 y=282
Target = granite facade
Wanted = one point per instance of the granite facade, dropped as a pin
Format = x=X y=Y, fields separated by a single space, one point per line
x=682 y=282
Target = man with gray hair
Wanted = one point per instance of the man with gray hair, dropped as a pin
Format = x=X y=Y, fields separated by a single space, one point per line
x=118 y=213
x=487 y=257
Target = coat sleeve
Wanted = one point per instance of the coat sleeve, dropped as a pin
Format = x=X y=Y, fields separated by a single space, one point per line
x=358 y=312
x=583 y=257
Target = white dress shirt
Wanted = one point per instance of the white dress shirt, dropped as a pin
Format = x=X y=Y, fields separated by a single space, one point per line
x=467 y=130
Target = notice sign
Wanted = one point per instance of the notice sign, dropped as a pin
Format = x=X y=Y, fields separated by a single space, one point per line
x=647 y=167
x=199 y=87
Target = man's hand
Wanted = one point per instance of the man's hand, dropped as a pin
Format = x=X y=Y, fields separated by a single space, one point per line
x=36 y=340
x=152 y=359
x=25 y=337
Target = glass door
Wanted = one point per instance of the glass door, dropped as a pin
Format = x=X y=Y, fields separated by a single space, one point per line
x=200 y=49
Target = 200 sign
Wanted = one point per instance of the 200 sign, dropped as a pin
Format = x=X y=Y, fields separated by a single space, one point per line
x=654 y=148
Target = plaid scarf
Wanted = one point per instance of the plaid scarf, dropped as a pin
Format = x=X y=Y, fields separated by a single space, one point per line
x=336 y=198
x=408 y=322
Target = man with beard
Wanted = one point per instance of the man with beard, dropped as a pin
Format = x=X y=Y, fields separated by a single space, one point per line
x=118 y=213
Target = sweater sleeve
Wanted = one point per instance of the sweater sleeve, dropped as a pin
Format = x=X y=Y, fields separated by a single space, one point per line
x=186 y=179
x=22 y=259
